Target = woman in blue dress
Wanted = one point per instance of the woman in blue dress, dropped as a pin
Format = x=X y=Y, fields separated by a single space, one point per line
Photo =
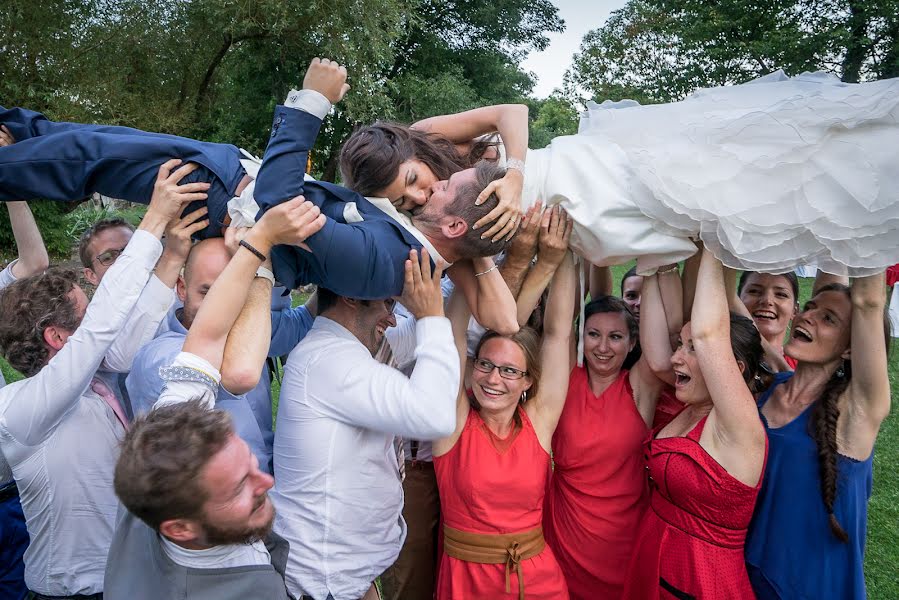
x=807 y=537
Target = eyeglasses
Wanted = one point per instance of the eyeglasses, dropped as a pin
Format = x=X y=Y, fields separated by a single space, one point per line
x=108 y=257
x=485 y=366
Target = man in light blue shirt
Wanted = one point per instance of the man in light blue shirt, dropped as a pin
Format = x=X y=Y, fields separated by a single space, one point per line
x=251 y=412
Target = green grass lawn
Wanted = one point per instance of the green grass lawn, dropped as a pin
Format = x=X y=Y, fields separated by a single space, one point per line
x=882 y=555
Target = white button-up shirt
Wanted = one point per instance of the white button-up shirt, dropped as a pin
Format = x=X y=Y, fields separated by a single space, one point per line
x=337 y=490
x=61 y=439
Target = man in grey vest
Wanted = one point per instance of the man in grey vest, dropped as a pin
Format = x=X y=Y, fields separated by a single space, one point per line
x=197 y=518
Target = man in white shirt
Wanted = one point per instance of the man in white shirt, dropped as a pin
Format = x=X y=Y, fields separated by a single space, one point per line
x=337 y=484
x=32 y=259
x=198 y=516
x=60 y=429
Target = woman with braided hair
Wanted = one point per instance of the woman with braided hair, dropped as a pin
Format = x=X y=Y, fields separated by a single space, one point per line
x=807 y=537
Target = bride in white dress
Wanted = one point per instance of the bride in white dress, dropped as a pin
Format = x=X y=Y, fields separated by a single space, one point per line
x=769 y=175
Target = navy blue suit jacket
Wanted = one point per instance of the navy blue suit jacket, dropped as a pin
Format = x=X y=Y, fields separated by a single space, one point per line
x=359 y=260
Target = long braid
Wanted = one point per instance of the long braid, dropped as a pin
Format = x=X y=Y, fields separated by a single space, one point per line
x=824 y=431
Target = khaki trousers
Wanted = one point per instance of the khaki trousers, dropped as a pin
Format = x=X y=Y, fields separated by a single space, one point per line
x=414 y=574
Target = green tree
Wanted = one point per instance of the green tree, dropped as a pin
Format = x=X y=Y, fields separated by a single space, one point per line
x=661 y=50
x=550 y=118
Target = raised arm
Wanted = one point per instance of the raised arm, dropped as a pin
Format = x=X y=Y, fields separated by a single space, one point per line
x=511 y=121
x=288 y=223
x=554 y=360
x=600 y=281
x=458 y=313
x=654 y=367
x=33 y=257
x=521 y=250
x=491 y=302
x=555 y=232
x=48 y=395
x=868 y=393
x=736 y=433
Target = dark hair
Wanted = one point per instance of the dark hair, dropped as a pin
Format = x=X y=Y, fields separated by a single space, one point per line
x=632 y=272
x=325 y=299
x=88 y=236
x=529 y=342
x=370 y=159
x=470 y=244
x=29 y=306
x=746 y=343
x=823 y=423
x=613 y=304
x=789 y=276
x=158 y=476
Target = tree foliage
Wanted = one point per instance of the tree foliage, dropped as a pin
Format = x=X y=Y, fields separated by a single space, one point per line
x=661 y=50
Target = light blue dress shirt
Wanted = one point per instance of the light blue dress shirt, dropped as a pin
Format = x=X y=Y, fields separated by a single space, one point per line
x=251 y=412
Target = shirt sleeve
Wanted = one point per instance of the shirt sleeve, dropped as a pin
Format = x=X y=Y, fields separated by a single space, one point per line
x=189 y=377
x=42 y=401
x=289 y=326
x=141 y=325
x=6 y=275
x=361 y=391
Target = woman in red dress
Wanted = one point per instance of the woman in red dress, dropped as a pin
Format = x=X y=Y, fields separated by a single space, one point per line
x=705 y=467
x=598 y=491
x=492 y=471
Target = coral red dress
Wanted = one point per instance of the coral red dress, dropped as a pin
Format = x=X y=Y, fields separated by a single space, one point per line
x=598 y=490
x=493 y=486
x=690 y=541
x=667 y=408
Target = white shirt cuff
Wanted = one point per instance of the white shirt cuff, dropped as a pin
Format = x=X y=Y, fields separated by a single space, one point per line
x=309 y=101
x=189 y=377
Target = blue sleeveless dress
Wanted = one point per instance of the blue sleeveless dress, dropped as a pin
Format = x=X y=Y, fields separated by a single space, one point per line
x=791 y=553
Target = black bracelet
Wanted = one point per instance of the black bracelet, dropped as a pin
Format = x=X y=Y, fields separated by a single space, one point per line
x=250 y=247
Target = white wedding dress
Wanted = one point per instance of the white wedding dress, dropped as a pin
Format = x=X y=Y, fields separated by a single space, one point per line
x=770 y=174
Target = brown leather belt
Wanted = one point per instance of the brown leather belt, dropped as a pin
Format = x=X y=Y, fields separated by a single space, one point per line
x=495 y=549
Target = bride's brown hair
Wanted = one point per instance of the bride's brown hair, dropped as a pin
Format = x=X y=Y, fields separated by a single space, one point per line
x=370 y=159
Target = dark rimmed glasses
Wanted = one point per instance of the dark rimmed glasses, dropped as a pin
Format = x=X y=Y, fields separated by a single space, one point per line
x=506 y=372
x=108 y=257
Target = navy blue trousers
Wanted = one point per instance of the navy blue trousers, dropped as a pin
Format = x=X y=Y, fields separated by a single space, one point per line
x=13 y=543
x=70 y=161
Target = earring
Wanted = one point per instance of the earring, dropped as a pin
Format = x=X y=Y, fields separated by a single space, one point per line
x=840 y=371
x=524 y=397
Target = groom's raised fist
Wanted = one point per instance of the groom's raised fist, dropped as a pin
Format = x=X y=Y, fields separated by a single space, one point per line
x=328 y=78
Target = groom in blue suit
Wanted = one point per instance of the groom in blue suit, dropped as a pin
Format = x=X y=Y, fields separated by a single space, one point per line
x=359 y=253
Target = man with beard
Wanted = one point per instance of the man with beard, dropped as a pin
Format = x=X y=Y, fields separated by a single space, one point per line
x=198 y=519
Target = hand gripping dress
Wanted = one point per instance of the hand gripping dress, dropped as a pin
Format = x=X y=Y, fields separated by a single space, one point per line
x=493 y=486
x=690 y=541
x=598 y=491
x=769 y=174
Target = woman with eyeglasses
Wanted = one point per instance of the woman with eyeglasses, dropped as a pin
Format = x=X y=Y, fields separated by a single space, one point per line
x=598 y=489
x=492 y=471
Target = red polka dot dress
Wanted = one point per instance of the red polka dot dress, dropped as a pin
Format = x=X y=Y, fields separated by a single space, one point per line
x=690 y=541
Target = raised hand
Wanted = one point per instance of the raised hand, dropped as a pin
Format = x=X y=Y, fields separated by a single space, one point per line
x=555 y=232
x=422 y=295
x=507 y=214
x=524 y=245
x=180 y=230
x=290 y=223
x=169 y=197
x=328 y=78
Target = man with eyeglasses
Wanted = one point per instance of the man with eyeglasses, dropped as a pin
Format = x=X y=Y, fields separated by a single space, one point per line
x=338 y=492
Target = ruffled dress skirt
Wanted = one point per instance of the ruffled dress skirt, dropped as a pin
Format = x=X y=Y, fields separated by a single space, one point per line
x=770 y=174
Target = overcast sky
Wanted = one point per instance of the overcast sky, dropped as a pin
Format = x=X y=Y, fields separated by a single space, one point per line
x=580 y=16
